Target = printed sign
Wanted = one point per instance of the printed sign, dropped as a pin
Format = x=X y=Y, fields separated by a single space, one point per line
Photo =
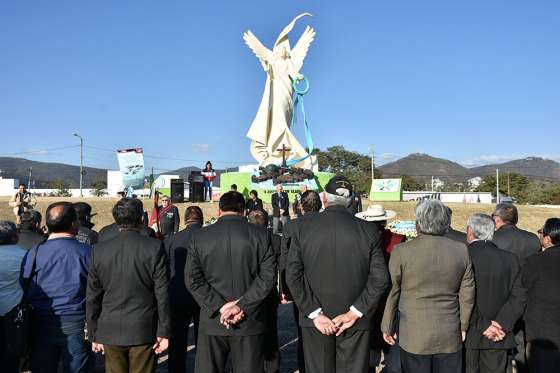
x=131 y=164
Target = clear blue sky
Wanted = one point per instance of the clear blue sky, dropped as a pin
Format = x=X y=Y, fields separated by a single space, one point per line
x=472 y=81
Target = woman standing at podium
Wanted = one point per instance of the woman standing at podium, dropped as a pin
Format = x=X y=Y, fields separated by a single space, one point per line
x=209 y=175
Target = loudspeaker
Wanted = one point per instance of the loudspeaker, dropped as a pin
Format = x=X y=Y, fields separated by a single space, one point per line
x=196 y=192
x=196 y=177
x=177 y=191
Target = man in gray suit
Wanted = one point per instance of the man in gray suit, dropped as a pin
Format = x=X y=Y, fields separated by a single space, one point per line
x=433 y=289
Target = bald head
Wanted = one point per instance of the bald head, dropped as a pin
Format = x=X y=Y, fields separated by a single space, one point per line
x=61 y=217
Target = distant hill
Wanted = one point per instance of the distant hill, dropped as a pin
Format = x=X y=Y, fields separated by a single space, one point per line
x=418 y=166
x=532 y=167
x=423 y=166
x=46 y=172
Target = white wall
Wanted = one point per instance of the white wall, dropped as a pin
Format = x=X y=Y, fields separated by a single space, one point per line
x=8 y=187
x=449 y=197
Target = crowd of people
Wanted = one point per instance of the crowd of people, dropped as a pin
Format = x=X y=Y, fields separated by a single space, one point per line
x=482 y=301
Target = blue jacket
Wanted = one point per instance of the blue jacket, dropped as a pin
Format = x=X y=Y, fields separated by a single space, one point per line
x=59 y=288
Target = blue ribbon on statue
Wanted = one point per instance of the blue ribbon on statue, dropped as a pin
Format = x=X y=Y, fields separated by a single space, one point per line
x=298 y=102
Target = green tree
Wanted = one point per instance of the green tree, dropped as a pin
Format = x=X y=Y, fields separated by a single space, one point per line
x=410 y=184
x=99 y=188
x=60 y=189
x=518 y=186
x=355 y=166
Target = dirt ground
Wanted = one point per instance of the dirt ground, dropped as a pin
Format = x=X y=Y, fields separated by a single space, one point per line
x=531 y=218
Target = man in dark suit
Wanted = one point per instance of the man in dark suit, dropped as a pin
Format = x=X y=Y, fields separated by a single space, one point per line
x=85 y=234
x=454 y=234
x=523 y=244
x=127 y=301
x=499 y=299
x=296 y=206
x=541 y=278
x=112 y=230
x=231 y=269
x=29 y=232
x=272 y=351
x=310 y=204
x=336 y=273
x=184 y=308
x=254 y=202
x=280 y=208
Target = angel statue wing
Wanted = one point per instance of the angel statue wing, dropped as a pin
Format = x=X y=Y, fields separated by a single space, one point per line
x=262 y=52
x=299 y=52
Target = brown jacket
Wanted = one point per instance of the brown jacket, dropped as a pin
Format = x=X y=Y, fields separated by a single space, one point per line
x=20 y=204
x=434 y=291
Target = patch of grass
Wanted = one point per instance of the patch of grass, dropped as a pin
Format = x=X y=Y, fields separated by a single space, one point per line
x=531 y=218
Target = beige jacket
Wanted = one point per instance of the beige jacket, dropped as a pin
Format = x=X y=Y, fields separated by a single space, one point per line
x=434 y=291
x=28 y=201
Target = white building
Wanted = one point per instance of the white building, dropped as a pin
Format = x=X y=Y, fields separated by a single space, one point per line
x=8 y=187
x=474 y=182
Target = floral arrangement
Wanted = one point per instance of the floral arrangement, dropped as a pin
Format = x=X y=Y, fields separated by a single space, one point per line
x=210 y=222
x=405 y=227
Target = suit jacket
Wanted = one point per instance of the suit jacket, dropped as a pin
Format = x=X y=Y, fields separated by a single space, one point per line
x=433 y=289
x=280 y=202
x=112 y=230
x=541 y=278
x=176 y=248
x=457 y=236
x=229 y=260
x=128 y=291
x=517 y=241
x=251 y=205
x=335 y=262
x=28 y=238
x=286 y=242
x=499 y=295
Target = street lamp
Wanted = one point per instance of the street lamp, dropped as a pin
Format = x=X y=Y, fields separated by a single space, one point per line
x=81 y=162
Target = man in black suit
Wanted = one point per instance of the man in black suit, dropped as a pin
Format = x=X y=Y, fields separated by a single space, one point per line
x=499 y=299
x=184 y=308
x=112 y=230
x=272 y=351
x=127 y=299
x=455 y=235
x=230 y=271
x=310 y=204
x=280 y=208
x=541 y=278
x=29 y=231
x=336 y=273
x=523 y=244
x=254 y=202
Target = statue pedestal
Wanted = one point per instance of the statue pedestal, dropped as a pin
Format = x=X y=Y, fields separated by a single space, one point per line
x=245 y=185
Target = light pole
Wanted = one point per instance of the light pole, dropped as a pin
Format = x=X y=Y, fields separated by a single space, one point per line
x=81 y=162
x=372 y=155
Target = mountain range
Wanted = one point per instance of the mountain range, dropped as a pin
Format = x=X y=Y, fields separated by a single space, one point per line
x=423 y=166
x=44 y=173
x=418 y=166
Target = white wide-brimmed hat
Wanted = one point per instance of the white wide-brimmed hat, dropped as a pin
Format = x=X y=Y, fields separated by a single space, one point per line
x=376 y=213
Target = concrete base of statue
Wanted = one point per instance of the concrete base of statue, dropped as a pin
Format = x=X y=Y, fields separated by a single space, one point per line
x=265 y=190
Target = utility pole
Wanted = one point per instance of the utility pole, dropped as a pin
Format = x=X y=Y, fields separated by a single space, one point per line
x=372 y=154
x=432 y=183
x=81 y=163
x=497 y=186
x=509 y=189
x=30 y=175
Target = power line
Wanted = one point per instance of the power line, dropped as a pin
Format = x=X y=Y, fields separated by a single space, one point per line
x=39 y=151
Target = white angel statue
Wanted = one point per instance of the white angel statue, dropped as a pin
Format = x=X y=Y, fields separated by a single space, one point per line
x=270 y=130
